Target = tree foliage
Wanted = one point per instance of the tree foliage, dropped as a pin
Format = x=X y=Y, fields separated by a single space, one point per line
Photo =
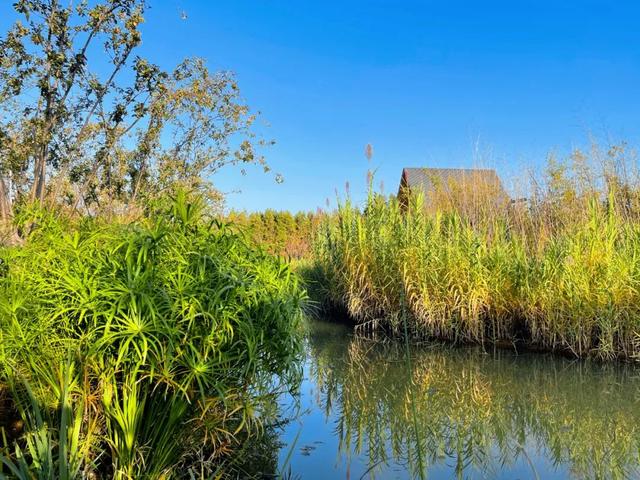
x=87 y=122
x=280 y=232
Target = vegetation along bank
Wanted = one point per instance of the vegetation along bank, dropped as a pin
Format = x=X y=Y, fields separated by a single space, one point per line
x=559 y=271
x=142 y=350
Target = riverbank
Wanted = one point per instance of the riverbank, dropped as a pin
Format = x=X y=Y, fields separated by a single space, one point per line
x=559 y=273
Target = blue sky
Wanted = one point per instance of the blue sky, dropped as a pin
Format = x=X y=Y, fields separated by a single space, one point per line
x=453 y=83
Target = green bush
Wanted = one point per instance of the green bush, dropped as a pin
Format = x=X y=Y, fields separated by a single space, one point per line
x=165 y=334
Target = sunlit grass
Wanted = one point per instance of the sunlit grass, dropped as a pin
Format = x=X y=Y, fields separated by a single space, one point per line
x=561 y=272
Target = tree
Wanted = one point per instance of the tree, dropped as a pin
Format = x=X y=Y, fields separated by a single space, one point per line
x=87 y=123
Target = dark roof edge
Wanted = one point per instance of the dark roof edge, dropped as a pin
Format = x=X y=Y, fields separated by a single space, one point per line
x=451 y=168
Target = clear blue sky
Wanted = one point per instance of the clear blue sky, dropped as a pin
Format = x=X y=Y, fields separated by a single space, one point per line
x=426 y=83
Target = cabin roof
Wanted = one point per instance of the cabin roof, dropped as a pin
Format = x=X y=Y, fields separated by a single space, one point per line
x=427 y=179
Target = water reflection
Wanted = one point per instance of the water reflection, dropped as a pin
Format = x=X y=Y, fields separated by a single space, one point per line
x=461 y=413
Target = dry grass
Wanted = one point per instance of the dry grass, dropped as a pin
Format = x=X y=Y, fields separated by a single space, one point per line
x=561 y=271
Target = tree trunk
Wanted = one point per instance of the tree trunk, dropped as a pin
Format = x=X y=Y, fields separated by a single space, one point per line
x=6 y=210
x=8 y=233
x=39 y=174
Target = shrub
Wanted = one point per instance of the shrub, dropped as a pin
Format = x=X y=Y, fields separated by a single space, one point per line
x=172 y=332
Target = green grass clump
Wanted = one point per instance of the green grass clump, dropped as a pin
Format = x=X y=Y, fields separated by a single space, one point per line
x=145 y=349
x=559 y=272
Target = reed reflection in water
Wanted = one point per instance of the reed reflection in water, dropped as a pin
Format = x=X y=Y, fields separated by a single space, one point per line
x=477 y=414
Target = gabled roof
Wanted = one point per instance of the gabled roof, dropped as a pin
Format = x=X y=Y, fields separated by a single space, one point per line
x=431 y=179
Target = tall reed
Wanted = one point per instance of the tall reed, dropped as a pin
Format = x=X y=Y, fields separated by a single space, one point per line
x=560 y=270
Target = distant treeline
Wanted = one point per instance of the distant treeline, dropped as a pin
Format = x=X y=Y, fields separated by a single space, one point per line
x=280 y=232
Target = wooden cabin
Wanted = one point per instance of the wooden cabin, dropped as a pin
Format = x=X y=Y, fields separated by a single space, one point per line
x=462 y=189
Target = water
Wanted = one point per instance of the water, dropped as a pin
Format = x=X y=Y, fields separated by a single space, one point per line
x=457 y=413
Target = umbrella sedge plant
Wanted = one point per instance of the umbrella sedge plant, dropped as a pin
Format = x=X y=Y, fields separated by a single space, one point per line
x=175 y=333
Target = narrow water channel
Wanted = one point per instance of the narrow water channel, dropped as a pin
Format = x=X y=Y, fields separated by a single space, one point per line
x=458 y=413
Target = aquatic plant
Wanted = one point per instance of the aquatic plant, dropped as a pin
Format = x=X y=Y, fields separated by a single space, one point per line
x=559 y=271
x=175 y=332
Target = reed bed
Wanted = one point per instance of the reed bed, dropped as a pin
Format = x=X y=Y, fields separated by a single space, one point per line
x=559 y=270
x=148 y=349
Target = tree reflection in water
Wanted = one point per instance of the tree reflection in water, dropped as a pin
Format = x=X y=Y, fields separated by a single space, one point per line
x=476 y=413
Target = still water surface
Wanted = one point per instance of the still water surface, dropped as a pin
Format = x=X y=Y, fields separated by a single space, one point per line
x=369 y=410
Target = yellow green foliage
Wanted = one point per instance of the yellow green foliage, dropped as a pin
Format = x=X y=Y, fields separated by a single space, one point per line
x=559 y=271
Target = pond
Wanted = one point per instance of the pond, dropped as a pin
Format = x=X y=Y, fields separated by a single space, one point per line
x=367 y=409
